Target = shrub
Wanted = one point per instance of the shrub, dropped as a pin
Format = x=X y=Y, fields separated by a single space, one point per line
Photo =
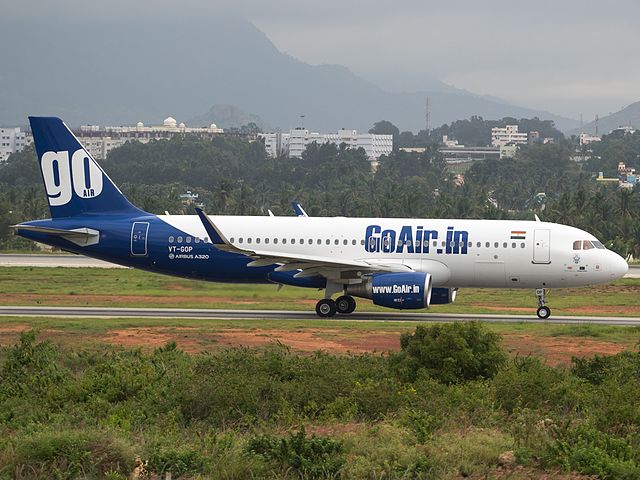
x=591 y=452
x=310 y=457
x=528 y=383
x=179 y=460
x=449 y=353
x=70 y=454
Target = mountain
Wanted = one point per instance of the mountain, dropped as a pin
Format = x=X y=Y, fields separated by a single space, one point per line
x=228 y=116
x=144 y=69
x=628 y=116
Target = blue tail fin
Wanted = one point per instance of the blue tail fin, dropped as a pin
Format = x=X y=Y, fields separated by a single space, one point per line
x=74 y=182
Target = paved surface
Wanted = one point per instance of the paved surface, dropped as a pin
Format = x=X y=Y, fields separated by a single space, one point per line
x=44 y=260
x=104 y=312
x=39 y=260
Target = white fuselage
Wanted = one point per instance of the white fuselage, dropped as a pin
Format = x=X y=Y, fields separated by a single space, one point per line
x=457 y=253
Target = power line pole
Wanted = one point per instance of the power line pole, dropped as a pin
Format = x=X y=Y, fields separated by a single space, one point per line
x=427 y=114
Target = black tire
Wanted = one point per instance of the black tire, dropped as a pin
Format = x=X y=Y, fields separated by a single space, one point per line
x=544 y=312
x=345 y=304
x=326 y=308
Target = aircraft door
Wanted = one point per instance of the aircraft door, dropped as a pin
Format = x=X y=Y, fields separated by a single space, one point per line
x=542 y=246
x=139 y=231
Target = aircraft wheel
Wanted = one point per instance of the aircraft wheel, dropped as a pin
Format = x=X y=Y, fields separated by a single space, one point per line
x=544 y=312
x=326 y=308
x=345 y=304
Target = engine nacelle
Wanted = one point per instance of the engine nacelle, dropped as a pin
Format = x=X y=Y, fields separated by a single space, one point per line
x=403 y=291
x=442 y=296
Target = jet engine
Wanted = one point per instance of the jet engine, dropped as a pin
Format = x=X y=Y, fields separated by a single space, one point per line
x=442 y=296
x=403 y=291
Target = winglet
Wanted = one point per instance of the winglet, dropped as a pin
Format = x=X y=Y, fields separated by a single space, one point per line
x=217 y=238
x=298 y=209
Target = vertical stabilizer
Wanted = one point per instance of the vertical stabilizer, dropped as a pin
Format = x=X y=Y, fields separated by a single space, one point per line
x=74 y=182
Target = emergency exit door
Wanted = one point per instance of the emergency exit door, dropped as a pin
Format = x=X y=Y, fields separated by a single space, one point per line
x=139 y=231
x=542 y=246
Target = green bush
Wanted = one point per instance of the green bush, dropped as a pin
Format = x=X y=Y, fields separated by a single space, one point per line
x=450 y=353
x=69 y=455
x=527 y=383
x=178 y=460
x=310 y=457
x=592 y=452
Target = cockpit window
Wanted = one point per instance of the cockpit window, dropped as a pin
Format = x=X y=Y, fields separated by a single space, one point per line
x=587 y=245
x=577 y=245
x=598 y=244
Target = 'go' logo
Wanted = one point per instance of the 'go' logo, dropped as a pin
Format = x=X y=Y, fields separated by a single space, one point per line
x=60 y=175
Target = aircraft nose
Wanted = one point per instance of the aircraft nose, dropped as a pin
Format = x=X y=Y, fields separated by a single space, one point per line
x=618 y=266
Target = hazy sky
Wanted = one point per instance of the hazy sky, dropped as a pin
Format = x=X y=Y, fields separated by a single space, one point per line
x=565 y=56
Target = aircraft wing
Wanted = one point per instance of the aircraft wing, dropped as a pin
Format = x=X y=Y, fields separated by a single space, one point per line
x=310 y=265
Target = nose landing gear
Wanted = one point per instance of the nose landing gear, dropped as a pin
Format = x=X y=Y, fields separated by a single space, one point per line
x=543 y=311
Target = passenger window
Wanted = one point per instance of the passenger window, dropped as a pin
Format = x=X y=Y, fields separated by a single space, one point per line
x=425 y=244
x=258 y=240
x=487 y=244
x=522 y=245
x=408 y=243
x=284 y=241
x=470 y=244
x=293 y=241
x=239 y=240
x=345 y=241
x=179 y=239
x=327 y=241
x=336 y=241
x=197 y=240
x=249 y=240
x=504 y=245
x=496 y=245
x=435 y=243
x=361 y=242
x=577 y=245
x=266 y=240
x=189 y=240
x=479 y=244
x=311 y=241
x=385 y=241
x=275 y=241
x=302 y=241
x=353 y=242
x=372 y=243
x=513 y=245
x=171 y=239
x=319 y=242
x=587 y=245
x=444 y=243
x=206 y=239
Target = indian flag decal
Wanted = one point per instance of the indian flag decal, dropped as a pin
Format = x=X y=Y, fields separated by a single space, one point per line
x=518 y=234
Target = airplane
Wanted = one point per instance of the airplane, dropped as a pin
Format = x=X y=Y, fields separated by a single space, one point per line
x=400 y=263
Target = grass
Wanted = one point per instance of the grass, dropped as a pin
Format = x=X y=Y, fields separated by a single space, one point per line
x=135 y=288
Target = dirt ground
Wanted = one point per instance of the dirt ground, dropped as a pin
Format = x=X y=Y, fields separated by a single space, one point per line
x=556 y=350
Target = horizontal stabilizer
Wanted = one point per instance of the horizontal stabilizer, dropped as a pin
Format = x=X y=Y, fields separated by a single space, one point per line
x=80 y=236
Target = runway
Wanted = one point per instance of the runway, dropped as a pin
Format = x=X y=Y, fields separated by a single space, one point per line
x=214 y=314
x=52 y=260
x=68 y=260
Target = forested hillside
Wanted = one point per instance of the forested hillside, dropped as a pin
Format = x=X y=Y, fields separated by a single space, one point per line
x=235 y=176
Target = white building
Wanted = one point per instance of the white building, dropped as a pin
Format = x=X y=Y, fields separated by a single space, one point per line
x=587 y=138
x=504 y=135
x=99 y=141
x=12 y=140
x=294 y=143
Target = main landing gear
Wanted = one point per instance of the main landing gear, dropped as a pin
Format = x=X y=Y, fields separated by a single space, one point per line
x=543 y=311
x=327 y=307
